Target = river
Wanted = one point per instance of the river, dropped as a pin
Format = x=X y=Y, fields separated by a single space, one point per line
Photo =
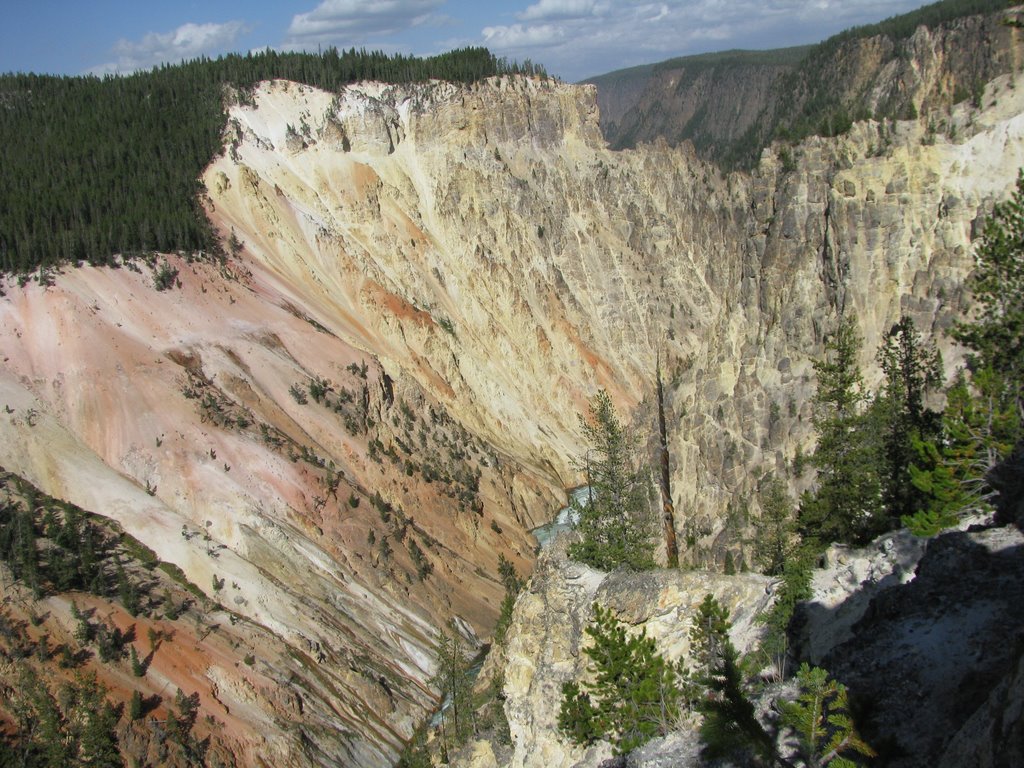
x=565 y=520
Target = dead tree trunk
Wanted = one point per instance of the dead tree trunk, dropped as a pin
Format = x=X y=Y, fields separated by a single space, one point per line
x=668 y=510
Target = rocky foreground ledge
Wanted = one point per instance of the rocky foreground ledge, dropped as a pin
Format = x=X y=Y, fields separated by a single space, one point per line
x=927 y=634
x=544 y=644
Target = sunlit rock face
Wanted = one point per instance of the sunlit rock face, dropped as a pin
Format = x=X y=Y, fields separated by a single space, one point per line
x=483 y=241
x=341 y=533
x=455 y=270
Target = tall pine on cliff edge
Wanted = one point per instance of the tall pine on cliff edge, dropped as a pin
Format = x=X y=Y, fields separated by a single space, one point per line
x=616 y=525
x=847 y=502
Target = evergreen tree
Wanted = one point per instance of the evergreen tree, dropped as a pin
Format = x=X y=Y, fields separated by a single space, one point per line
x=709 y=637
x=92 y=722
x=138 y=666
x=847 y=503
x=776 y=528
x=795 y=587
x=912 y=369
x=984 y=417
x=995 y=330
x=127 y=591
x=135 y=707
x=513 y=586
x=182 y=718
x=634 y=695
x=616 y=525
x=416 y=754
x=75 y=727
x=951 y=474
x=453 y=681
x=821 y=720
x=730 y=727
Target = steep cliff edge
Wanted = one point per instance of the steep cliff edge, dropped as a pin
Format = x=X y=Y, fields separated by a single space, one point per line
x=732 y=104
x=930 y=644
x=377 y=395
x=484 y=241
x=925 y=633
x=544 y=646
x=711 y=99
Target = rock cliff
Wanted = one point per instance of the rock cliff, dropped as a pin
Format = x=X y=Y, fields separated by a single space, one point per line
x=929 y=642
x=486 y=243
x=377 y=394
x=731 y=104
x=544 y=647
x=923 y=632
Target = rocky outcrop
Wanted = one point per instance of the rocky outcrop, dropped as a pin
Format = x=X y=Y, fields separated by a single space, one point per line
x=544 y=647
x=927 y=635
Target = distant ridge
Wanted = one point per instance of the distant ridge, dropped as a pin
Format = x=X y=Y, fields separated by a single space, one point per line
x=733 y=104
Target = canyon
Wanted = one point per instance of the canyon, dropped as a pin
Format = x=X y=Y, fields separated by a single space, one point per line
x=376 y=394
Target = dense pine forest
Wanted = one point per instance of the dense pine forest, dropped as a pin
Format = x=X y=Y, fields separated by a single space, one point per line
x=94 y=167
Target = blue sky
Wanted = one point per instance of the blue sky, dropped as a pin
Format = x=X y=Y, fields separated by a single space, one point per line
x=572 y=38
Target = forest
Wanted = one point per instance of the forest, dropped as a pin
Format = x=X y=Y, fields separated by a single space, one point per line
x=95 y=167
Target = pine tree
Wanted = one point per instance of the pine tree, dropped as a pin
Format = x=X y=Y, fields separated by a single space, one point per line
x=984 y=417
x=709 y=637
x=138 y=666
x=513 y=586
x=776 y=528
x=135 y=707
x=93 y=720
x=453 y=681
x=616 y=525
x=634 y=694
x=980 y=429
x=995 y=331
x=847 y=503
x=821 y=720
x=730 y=727
x=912 y=369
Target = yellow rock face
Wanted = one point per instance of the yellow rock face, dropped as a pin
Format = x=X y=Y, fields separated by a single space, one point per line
x=462 y=267
x=483 y=241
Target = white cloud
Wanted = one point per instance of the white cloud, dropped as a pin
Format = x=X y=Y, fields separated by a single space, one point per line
x=577 y=38
x=563 y=9
x=186 y=42
x=350 y=22
x=518 y=36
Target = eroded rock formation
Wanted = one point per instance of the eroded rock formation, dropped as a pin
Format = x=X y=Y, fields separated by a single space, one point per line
x=456 y=270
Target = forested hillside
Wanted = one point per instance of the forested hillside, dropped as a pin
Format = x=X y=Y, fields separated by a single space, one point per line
x=680 y=99
x=93 y=167
x=733 y=104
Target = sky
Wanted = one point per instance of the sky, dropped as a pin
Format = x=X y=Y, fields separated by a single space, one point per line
x=573 y=39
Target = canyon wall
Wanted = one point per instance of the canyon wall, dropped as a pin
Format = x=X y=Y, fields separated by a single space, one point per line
x=730 y=104
x=486 y=243
x=376 y=395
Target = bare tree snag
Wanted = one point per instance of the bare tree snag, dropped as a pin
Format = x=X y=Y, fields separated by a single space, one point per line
x=668 y=510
